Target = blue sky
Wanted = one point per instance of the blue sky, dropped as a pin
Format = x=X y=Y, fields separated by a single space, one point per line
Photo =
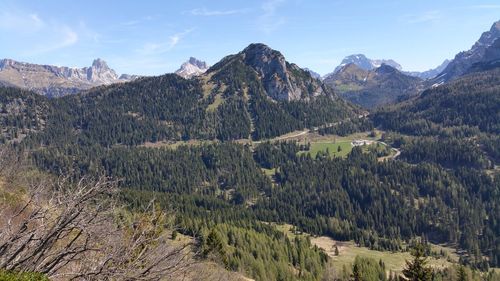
x=155 y=37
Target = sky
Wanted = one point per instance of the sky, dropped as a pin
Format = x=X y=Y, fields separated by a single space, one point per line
x=155 y=37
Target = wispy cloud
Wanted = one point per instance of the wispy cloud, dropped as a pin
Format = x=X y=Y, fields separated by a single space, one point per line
x=151 y=48
x=135 y=22
x=484 y=6
x=41 y=35
x=20 y=22
x=66 y=37
x=131 y=22
x=428 y=16
x=211 y=13
x=270 y=20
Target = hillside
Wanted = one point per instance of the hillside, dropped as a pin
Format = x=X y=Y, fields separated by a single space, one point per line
x=469 y=101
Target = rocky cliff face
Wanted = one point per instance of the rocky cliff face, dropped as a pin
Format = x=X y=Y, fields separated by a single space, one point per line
x=54 y=81
x=280 y=79
x=313 y=73
x=483 y=51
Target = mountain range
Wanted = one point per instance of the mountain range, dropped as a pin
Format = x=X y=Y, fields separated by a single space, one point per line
x=57 y=81
x=374 y=87
x=54 y=81
x=357 y=78
x=230 y=151
x=365 y=63
x=369 y=64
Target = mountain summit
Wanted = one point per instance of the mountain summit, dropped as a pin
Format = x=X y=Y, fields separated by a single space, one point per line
x=192 y=67
x=56 y=81
x=483 y=51
x=280 y=79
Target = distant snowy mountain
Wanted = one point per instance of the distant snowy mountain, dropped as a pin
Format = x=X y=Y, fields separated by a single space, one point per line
x=365 y=63
x=56 y=81
x=368 y=64
x=192 y=67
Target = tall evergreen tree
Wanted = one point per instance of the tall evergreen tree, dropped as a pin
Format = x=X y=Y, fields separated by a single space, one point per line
x=417 y=269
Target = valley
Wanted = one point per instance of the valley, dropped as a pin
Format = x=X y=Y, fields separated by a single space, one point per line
x=251 y=167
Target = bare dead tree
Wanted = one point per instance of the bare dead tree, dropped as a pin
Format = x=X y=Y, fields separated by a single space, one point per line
x=72 y=232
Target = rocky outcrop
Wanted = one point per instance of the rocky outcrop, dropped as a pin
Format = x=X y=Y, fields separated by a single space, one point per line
x=281 y=80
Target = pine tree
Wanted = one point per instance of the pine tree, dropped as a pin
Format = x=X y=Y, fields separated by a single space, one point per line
x=417 y=269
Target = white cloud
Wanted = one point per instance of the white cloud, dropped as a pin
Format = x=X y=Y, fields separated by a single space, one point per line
x=174 y=40
x=137 y=21
x=151 y=48
x=210 y=13
x=428 y=16
x=270 y=20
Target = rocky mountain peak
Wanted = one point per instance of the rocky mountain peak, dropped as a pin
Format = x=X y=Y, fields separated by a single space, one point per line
x=481 y=52
x=488 y=37
x=100 y=73
x=263 y=58
x=192 y=67
x=282 y=80
x=200 y=64
x=100 y=64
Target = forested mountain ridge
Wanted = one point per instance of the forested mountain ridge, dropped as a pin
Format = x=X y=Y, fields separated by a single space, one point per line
x=254 y=94
x=472 y=100
x=280 y=79
x=455 y=124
